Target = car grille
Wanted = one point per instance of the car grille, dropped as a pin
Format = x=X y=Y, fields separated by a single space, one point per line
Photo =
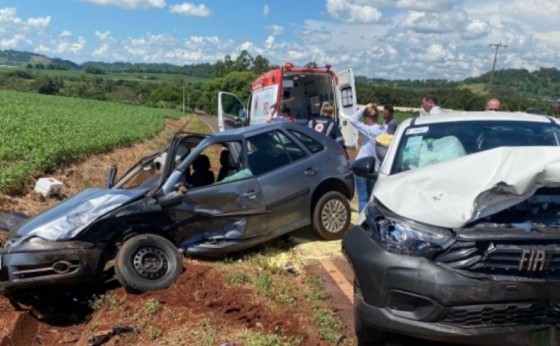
x=501 y=315
x=538 y=259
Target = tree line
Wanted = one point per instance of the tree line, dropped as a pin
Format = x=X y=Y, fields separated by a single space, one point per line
x=519 y=89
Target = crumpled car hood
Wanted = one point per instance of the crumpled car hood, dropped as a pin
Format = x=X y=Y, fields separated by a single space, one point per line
x=456 y=192
x=65 y=220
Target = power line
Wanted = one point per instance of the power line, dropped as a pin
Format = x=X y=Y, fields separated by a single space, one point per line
x=498 y=46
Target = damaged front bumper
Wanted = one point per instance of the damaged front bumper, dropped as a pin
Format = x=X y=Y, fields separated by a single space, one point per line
x=37 y=262
x=417 y=297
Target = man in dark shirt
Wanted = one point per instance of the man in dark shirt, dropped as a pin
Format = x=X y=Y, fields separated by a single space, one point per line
x=390 y=122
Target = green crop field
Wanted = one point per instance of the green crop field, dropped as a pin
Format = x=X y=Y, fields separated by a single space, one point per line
x=39 y=132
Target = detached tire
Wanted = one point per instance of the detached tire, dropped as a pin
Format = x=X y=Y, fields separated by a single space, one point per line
x=331 y=216
x=147 y=262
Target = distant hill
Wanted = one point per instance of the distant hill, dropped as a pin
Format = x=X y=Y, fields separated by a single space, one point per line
x=15 y=58
x=23 y=59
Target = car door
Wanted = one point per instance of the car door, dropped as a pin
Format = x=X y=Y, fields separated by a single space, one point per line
x=231 y=112
x=286 y=177
x=233 y=208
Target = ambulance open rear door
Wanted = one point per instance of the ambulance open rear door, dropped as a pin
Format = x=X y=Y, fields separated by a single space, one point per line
x=347 y=103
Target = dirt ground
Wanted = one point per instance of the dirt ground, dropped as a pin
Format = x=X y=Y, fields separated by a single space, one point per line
x=201 y=308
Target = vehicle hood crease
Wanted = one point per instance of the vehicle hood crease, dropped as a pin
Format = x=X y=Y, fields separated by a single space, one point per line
x=456 y=192
x=68 y=218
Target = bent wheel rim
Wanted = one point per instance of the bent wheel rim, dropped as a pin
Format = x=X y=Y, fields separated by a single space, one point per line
x=334 y=216
x=150 y=263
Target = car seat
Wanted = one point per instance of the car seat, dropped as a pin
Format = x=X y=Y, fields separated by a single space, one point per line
x=202 y=175
x=227 y=165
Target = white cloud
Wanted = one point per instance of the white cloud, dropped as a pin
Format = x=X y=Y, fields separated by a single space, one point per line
x=476 y=29
x=275 y=30
x=266 y=11
x=12 y=42
x=269 y=43
x=10 y=22
x=351 y=12
x=540 y=15
x=38 y=23
x=62 y=45
x=423 y=22
x=129 y=4
x=106 y=42
x=427 y=5
x=188 y=9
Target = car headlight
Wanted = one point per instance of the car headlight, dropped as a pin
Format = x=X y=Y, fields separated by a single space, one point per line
x=407 y=237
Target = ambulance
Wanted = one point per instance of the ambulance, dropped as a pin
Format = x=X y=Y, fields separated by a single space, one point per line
x=302 y=89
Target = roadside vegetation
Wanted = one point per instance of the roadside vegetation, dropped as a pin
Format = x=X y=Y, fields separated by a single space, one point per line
x=40 y=132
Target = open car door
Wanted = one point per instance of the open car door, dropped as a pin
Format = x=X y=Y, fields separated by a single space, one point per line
x=346 y=103
x=231 y=112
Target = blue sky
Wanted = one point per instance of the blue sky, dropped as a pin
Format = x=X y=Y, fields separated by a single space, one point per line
x=394 y=39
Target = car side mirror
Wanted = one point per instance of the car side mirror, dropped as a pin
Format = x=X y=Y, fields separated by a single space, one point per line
x=365 y=167
x=111 y=175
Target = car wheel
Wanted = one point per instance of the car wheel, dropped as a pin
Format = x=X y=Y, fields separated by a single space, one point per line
x=147 y=262
x=331 y=216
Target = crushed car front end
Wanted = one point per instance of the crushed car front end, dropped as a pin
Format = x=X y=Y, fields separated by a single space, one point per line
x=51 y=248
x=39 y=262
x=475 y=285
x=461 y=240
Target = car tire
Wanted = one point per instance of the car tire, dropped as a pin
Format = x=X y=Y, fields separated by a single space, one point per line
x=147 y=262
x=331 y=216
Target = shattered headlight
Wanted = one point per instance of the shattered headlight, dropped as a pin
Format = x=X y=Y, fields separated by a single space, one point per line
x=407 y=237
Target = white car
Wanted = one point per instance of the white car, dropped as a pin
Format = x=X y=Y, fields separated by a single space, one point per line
x=461 y=239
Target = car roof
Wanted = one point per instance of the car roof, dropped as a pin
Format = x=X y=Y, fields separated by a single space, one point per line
x=454 y=116
x=243 y=131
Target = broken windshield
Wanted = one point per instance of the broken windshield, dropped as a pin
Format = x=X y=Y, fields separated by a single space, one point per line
x=428 y=144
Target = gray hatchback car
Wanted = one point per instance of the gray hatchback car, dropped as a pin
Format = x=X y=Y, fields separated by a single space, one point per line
x=206 y=195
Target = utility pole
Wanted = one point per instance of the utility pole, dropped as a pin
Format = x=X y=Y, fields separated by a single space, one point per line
x=498 y=46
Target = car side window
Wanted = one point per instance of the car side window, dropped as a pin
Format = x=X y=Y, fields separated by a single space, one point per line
x=271 y=150
x=216 y=163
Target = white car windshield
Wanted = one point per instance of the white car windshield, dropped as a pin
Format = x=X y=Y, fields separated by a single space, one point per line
x=425 y=145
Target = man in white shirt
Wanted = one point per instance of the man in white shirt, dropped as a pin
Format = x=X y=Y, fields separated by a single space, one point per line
x=430 y=103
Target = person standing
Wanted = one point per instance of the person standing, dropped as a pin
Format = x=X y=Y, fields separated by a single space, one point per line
x=390 y=122
x=493 y=104
x=326 y=124
x=430 y=103
x=369 y=130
